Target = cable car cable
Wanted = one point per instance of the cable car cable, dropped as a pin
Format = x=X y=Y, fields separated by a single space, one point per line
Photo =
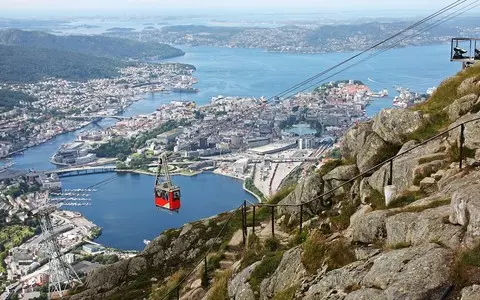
x=436 y=24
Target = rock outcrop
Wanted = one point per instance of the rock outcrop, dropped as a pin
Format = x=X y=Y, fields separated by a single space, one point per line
x=424 y=227
x=394 y=125
x=239 y=288
x=466 y=212
x=287 y=274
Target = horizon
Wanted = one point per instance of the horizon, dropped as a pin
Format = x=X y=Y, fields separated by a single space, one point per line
x=124 y=8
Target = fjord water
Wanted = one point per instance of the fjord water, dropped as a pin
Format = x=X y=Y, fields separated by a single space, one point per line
x=124 y=207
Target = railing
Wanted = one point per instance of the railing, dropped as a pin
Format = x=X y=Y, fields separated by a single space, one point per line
x=326 y=202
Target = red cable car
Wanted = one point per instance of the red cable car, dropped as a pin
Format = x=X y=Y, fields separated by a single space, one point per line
x=167 y=195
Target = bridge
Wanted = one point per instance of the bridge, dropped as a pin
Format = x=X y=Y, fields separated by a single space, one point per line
x=77 y=171
x=84 y=117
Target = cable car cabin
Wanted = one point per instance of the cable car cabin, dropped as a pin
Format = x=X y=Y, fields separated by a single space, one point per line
x=167 y=197
x=466 y=50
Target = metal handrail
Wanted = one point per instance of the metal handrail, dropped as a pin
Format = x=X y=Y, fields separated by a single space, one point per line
x=272 y=206
x=390 y=160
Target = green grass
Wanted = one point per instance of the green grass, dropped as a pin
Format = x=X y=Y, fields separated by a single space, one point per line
x=342 y=221
x=445 y=95
x=316 y=252
x=158 y=292
x=287 y=294
x=265 y=269
x=377 y=200
x=466 y=268
x=219 y=289
x=406 y=198
x=420 y=208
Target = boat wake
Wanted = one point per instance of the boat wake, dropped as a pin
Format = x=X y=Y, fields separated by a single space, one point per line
x=371 y=80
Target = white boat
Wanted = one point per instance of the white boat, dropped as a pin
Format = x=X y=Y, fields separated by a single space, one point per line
x=146 y=242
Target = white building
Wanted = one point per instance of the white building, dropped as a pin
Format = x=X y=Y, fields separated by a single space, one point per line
x=241 y=165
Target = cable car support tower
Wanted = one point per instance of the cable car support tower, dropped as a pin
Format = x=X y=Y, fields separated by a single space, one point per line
x=61 y=274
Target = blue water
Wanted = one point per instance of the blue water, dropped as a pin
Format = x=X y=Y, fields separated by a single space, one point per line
x=126 y=212
x=124 y=207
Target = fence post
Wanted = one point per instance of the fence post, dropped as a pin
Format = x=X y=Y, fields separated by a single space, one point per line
x=206 y=272
x=244 y=217
x=253 y=226
x=301 y=218
x=462 y=141
x=390 y=178
x=273 y=221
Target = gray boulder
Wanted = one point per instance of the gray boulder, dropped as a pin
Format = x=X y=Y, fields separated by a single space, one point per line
x=369 y=228
x=334 y=283
x=466 y=212
x=354 y=139
x=394 y=125
x=403 y=166
x=367 y=294
x=424 y=227
x=461 y=106
x=471 y=292
x=287 y=274
x=338 y=176
x=239 y=288
x=468 y=85
x=414 y=273
x=371 y=153
x=472 y=131
x=312 y=187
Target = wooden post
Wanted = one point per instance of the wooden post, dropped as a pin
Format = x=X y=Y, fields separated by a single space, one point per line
x=462 y=141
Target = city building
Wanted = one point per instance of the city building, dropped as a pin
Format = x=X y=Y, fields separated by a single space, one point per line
x=236 y=141
x=258 y=142
x=241 y=165
x=306 y=142
x=92 y=249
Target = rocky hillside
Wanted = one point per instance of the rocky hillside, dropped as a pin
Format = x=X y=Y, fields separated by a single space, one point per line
x=421 y=242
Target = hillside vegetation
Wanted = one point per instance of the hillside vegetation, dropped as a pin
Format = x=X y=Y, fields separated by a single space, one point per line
x=101 y=46
x=22 y=64
x=415 y=245
x=10 y=99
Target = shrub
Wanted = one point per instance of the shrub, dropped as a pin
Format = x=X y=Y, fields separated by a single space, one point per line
x=466 y=268
x=342 y=221
x=339 y=254
x=219 y=289
x=313 y=252
x=265 y=269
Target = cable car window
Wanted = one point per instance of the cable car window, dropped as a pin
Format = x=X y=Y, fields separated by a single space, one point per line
x=176 y=195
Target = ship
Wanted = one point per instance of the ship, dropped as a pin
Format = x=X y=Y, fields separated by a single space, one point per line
x=381 y=94
x=185 y=90
x=146 y=242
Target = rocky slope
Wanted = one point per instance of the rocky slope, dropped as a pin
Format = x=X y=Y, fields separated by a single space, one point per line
x=416 y=245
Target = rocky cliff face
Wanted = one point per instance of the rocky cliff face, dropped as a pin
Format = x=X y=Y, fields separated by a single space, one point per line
x=425 y=239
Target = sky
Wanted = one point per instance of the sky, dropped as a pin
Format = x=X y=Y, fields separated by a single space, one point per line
x=73 y=7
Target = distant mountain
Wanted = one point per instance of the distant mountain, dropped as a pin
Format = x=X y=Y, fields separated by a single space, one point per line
x=101 y=46
x=24 y=64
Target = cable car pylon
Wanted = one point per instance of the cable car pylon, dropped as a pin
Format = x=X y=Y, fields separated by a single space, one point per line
x=167 y=195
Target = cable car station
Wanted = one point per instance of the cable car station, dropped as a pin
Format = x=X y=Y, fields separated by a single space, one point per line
x=465 y=50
